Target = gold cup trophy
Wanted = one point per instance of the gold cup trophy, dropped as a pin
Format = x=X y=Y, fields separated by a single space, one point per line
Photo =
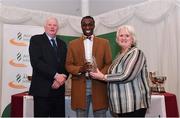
x=157 y=82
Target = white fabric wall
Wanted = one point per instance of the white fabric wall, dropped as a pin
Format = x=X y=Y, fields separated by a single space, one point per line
x=157 y=23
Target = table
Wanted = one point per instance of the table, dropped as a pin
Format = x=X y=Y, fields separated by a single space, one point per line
x=22 y=105
x=171 y=105
x=157 y=108
x=162 y=105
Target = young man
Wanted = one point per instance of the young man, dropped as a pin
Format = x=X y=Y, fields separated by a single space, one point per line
x=85 y=90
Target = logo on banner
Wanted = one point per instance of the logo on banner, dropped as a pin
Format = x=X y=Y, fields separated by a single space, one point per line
x=20 y=60
x=21 y=82
x=16 y=62
x=21 y=39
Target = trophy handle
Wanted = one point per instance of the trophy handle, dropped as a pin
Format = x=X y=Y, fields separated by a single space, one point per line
x=152 y=77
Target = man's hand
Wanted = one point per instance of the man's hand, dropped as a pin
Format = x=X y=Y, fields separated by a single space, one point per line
x=55 y=85
x=85 y=68
x=60 y=78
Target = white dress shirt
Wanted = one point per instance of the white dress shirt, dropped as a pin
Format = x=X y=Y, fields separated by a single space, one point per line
x=88 y=46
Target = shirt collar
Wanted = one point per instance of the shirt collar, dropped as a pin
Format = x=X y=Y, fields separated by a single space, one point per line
x=88 y=37
x=50 y=37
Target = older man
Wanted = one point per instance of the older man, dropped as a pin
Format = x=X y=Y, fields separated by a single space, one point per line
x=47 y=57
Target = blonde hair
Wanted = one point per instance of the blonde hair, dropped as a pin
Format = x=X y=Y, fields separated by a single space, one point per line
x=130 y=30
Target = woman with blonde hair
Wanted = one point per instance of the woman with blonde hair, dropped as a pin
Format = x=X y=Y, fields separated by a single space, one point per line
x=127 y=78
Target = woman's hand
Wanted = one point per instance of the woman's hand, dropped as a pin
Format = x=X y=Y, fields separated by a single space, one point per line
x=97 y=75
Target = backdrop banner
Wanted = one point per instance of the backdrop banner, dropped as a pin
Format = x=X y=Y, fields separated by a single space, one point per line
x=16 y=63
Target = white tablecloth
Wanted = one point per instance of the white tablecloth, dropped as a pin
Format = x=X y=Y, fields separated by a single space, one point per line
x=157 y=108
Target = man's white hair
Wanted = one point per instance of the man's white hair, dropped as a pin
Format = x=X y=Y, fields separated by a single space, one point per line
x=50 y=18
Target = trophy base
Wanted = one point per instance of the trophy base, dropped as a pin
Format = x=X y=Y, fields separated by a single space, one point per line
x=158 y=89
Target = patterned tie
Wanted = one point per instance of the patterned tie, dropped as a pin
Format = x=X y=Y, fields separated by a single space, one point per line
x=54 y=45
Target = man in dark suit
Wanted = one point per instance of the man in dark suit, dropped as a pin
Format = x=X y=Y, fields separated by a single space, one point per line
x=47 y=57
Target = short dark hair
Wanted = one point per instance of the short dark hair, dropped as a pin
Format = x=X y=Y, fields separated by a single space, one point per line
x=86 y=17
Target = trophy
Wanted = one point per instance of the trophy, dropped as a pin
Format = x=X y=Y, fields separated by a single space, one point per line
x=92 y=65
x=157 y=82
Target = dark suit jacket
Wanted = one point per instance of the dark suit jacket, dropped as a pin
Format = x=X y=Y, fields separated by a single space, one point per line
x=45 y=65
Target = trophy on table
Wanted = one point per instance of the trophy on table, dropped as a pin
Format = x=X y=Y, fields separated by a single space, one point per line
x=157 y=82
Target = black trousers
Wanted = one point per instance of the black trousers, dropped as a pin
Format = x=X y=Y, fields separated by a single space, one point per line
x=136 y=113
x=49 y=106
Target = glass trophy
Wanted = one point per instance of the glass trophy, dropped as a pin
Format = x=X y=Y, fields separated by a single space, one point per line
x=92 y=65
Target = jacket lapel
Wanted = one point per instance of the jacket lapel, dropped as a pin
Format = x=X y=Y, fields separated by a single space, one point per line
x=82 y=49
x=95 y=44
x=47 y=42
